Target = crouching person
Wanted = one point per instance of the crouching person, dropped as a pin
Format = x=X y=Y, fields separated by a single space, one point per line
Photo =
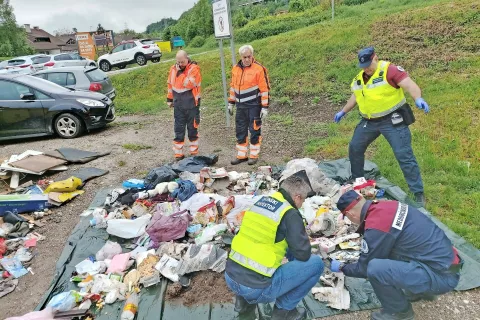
x=269 y=229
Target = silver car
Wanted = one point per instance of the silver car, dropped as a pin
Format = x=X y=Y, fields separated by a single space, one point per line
x=18 y=65
x=70 y=59
x=80 y=78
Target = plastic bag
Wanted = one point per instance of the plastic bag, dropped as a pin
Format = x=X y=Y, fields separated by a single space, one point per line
x=65 y=301
x=128 y=229
x=108 y=251
x=119 y=263
x=206 y=214
x=158 y=175
x=167 y=266
x=165 y=228
x=210 y=232
x=68 y=185
x=167 y=208
x=198 y=200
x=92 y=268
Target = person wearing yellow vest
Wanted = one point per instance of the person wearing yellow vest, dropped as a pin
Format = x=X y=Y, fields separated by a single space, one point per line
x=379 y=92
x=184 y=83
x=271 y=230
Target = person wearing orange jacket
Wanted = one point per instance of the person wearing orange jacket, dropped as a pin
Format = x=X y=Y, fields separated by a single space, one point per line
x=250 y=93
x=184 y=83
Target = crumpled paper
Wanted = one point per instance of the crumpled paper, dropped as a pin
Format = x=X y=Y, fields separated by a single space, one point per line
x=336 y=297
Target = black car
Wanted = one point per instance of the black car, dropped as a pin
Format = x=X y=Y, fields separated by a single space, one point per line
x=32 y=107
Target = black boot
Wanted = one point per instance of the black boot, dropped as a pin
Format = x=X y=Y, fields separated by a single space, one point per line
x=252 y=161
x=242 y=306
x=238 y=161
x=295 y=314
x=420 y=199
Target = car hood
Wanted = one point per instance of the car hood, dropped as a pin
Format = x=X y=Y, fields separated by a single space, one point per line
x=78 y=94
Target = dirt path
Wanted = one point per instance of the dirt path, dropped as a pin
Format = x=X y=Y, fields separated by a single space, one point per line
x=285 y=136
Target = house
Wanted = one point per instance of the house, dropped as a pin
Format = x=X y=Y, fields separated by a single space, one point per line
x=68 y=42
x=42 y=41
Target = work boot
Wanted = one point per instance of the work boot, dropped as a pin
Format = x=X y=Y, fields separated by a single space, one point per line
x=412 y=297
x=242 y=306
x=252 y=161
x=383 y=315
x=237 y=161
x=295 y=314
x=179 y=158
x=420 y=199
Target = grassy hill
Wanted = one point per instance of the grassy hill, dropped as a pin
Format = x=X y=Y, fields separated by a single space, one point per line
x=437 y=42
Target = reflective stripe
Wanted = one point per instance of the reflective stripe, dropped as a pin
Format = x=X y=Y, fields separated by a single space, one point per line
x=246 y=90
x=357 y=87
x=253 y=264
x=265 y=102
x=242 y=151
x=178 y=149
x=194 y=143
x=378 y=84
x=264 y=94
x=383 y=64
x=170 y=91
x=248 y=98
x=384 y=113
x=254 y=150
x=180 y=90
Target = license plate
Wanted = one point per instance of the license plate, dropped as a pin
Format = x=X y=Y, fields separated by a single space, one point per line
x=156 y=51
x=112 y=95
x=156 y=56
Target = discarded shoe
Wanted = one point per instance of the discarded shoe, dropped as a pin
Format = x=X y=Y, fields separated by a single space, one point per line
x=295 y=314
x=237 y=161
x=412 y=297
x=383 y=315
x=420 y=199
x=252 y=161
x=242 y=306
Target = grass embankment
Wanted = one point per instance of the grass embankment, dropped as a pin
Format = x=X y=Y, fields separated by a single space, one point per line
x=436 y=41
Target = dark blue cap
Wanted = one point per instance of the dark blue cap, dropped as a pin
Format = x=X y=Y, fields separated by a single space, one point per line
x=348 y=200
x=365 y=57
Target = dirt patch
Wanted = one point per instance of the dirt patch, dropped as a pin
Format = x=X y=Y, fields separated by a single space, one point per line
x=206 y=287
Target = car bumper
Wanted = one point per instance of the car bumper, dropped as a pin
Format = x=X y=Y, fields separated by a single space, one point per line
x=151 y=56
x=112 y=94
x=100 y=121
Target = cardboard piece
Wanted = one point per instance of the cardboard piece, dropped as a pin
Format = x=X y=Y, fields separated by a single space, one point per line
x=38 y=163
x=23 y=203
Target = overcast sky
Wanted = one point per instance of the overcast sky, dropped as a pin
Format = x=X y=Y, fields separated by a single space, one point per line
x=53 y=15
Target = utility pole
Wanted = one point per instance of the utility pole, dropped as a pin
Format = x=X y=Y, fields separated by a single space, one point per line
x=232 y=43
x=333 y=9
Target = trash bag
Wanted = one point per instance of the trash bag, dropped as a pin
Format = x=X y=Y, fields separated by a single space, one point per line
x=195 y=164
x=165 y=228
x=128 y=229
x=65 y=301
x=186 y=189
x=158 y=175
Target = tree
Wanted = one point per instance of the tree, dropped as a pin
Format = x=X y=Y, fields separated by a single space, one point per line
x=160 y=26
x=74 y=30
x=100 y=28
x=62 y=31
x=13 y=39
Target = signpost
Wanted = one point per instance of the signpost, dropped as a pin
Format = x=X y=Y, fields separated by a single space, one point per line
x=86 y=45
x=223 y=30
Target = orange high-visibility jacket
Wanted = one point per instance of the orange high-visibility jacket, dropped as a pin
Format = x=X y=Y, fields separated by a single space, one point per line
x=184 y=82
x=250 y=86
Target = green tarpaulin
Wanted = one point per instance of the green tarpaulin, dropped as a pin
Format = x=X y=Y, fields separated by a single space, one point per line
x=85 y=241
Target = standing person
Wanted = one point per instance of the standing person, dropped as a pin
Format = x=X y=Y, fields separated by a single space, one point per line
x=379 y=92
x=184 y=82
x=249 y=92
x=270 y=228
x=404 y=254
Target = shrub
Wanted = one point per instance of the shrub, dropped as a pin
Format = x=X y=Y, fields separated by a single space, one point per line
x=354 y=2
x=197 y=42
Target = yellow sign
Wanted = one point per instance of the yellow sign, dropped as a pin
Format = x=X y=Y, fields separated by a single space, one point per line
x=165 y=46
x=86 y=45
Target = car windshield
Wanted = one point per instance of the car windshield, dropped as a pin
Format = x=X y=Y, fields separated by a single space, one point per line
x=43 y=85
x=44 y=59
x=96 y=75
x=16 y=62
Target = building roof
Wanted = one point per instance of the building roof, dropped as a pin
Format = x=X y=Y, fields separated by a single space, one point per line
x=36 y=33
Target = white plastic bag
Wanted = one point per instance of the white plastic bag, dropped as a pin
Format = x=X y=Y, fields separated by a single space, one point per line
x=128 y=229
x=199 y=200
x=108 y=251
x=210 y=232
x=64 y=301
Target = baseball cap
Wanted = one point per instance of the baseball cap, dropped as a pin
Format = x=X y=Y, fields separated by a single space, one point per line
x=302 y=174
x=348 y=200
x=365 y=57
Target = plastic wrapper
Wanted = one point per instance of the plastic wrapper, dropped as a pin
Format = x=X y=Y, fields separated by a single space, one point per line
x=199 y=200
x=65 y=301
x=68 y=185
x=89 y=267
x=167 y=208
x=128 y=229
x=119 y=263
x=210 y=232
x=206 y=214
x=108 y=251
x=172 y=249
x=337 y=297
x=167 y=267
x=204 y=257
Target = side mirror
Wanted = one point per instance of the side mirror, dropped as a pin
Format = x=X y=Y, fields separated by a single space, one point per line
x=27 y=96
x=82 y=58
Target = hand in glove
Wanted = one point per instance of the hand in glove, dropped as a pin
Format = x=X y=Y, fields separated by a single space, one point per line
x=336 y=266
x=263 y=113
x=422 y=104
x=230 y=108
x=170 y=104
x=339 y=116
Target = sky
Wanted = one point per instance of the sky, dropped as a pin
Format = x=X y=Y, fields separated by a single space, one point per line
x=84 y=15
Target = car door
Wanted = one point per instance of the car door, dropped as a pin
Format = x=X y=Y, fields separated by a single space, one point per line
x=116 y=55
x=19 y=116
x=78 y=60
x=129 y=51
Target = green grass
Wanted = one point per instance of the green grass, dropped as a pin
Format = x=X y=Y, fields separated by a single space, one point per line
x=136 y=147
x=282 y=119
x=437 y=41
x=121 y=163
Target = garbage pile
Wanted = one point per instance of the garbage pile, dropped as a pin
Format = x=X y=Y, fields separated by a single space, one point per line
x=23 y=207
x=181 y=219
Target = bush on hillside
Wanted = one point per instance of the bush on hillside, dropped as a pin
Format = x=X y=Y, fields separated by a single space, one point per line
x=302 y=5
x=197 y=42
x=354 y=2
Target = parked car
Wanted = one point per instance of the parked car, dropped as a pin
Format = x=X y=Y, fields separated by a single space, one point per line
x=128 y=52
x=61 y=60
x=19 y=65
x=80 y=78
x=32 y=107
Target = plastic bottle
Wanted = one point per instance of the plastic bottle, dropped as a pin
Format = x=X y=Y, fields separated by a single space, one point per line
x=130 y=308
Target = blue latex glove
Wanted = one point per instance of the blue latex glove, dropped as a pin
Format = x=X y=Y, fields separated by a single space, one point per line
x=422 y=104
x=335 y=266
x=339 y=116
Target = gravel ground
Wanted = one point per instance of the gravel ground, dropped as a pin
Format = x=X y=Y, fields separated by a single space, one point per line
x=156 y=132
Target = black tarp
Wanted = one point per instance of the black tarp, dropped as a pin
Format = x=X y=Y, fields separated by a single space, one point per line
x=85 y=241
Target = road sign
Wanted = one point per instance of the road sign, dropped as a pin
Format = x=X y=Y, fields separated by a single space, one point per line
x=221 y=19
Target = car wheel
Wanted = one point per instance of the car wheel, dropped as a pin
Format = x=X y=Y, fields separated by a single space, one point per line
x=105 y=66
x=68 y=126
x=155 y=60
x=141 y=60
x=122 y=66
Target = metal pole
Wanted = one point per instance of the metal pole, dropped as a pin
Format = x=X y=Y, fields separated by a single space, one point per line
x=333 y=9
x=224 y=80
x=232 y=43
